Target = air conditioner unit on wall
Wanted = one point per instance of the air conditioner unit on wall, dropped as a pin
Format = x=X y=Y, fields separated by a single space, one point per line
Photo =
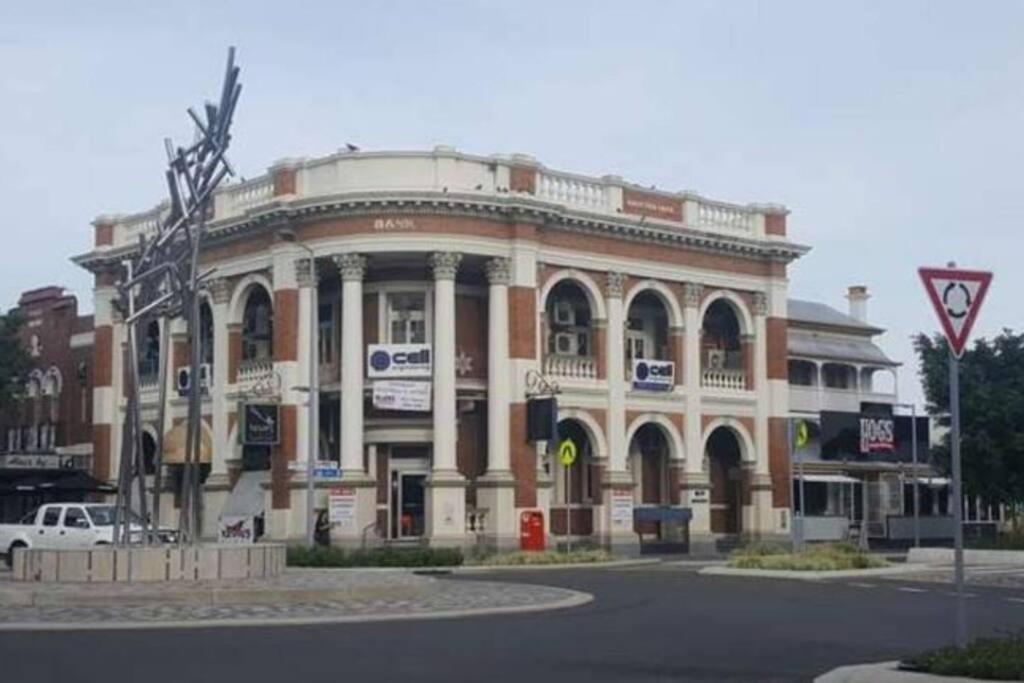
x=565 y=314
x=183 y=379
x=566 y=344
x=716 y=359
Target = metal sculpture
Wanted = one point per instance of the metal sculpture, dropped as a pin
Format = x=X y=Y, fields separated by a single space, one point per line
x=162 y=281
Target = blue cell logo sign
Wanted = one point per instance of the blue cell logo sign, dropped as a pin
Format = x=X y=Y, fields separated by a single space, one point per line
x=653 y=375
x=380 y=361
x=398 y=360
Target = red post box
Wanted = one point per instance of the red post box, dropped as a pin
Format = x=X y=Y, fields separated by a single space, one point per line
x=531 y=530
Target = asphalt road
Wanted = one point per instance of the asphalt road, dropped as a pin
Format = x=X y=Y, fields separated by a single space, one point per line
x=664 y=624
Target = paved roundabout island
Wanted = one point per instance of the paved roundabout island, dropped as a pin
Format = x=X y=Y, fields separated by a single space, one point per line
x=302 y=596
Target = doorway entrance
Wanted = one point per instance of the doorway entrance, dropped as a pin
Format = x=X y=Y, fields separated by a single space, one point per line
x=407 y=477
x=723 y=453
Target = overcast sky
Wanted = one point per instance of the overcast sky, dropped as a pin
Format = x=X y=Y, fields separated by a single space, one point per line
x=892 y=130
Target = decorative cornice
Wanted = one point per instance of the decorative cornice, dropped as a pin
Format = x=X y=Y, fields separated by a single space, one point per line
x=499 y=271
x=351 y=266
x=445 y=264
x=520 y=208
x=692 y=293
x=614 y=284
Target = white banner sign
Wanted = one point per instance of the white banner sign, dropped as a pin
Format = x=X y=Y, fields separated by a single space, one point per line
x=622 y=508
x=653 y=375
x=341 y=508
x=398 y=360
x=236 y=530
x=390 y=394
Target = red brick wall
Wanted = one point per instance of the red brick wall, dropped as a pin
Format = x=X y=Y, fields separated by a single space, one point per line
x=283 y=453
x=523 y=179
x=234 y=352
x=522 y=322
x=776 y=333
x=471 y=318
x=286 y=324
x=778 y=461
x=775 y=223
x=523 y=458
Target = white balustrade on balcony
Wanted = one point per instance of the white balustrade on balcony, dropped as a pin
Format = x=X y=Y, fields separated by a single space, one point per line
x=257 y=373
x=146 y=224
x=234 y=200
x=720 y=216
x=571 y=190
x=570 y=367
x=724 y=378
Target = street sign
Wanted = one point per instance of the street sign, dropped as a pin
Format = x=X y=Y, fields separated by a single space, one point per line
x=260 y=424
x=567 y=452
x=956 y=296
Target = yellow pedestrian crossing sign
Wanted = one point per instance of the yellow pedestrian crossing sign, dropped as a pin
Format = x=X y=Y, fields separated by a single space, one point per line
x=803 y=433
x=567 y=452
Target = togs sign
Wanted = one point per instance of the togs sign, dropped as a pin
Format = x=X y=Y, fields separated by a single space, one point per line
x=653 y=375
x=398 y=360
x=877 y=428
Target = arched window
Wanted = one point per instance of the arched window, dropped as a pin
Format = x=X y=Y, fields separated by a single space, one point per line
x=647 y=328
x=149 y=352
x=569 y=321
x=258 y=327
x=205 y=334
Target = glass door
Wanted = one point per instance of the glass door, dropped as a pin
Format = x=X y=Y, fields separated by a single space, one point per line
x=411 y=505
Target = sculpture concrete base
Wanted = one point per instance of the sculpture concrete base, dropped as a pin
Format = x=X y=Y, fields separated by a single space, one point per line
x=137 y=564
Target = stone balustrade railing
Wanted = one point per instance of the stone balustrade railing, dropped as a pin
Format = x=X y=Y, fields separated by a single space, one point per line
x=570 y=367
x=446 y=171
x=724 y=378
x=255 y=372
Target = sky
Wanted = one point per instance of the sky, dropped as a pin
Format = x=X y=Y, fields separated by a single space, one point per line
x=891 y=130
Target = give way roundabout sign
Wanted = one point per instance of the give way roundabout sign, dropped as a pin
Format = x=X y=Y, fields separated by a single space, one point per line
x=957 y=296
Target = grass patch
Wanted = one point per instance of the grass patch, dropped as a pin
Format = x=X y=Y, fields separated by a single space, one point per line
x=1013 y=540
x=299 y=556
x=520 y=558
x=994 y=659
x=816 y=558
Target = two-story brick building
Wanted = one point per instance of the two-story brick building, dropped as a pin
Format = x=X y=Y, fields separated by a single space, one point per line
x=443 y=280
x=46 y=450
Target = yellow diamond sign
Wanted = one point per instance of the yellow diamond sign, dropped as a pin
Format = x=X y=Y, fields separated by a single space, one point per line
x=567 y=452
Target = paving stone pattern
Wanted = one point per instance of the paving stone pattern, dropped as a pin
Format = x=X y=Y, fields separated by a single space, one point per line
x=430 y=595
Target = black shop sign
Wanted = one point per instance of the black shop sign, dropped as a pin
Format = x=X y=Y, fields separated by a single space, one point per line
x=261 y=424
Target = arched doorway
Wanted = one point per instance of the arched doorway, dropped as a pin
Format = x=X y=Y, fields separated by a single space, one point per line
x=724 y=467
x=569 y=350
x=258 y=327
x=722 y=363
x=577 y=487
x=649 y=454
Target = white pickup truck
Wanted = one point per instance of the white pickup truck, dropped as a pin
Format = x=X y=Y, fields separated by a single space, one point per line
x=60 y=525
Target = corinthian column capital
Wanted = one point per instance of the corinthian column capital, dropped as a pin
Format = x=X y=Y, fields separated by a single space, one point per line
x=445 y=264
x=351 y=266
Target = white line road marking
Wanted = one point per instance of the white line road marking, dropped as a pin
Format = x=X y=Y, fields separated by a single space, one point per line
x=908 y=589
x=952 y=594
x=862 y=585
x=1020 y=600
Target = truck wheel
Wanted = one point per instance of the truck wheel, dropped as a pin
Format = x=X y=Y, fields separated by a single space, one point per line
x=9 y=559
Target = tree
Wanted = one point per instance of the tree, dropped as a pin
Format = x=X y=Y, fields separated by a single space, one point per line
x=14 y=360
x=991 y=411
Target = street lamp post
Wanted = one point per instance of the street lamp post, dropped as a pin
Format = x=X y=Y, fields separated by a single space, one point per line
x=313 y=391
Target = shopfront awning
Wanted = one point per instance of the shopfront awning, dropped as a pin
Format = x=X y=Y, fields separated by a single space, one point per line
x=51 y=481
x=830 y=479
x=932 y=481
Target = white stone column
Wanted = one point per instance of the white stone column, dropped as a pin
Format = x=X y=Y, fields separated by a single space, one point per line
x=696 y=485
x=352 y=268
x=496 y=488
x=446 y=498
x=355 y=479
x=617 y=481
x=220 y=298
x=758 y=518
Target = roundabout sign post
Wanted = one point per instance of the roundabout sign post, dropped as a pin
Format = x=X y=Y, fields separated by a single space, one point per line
x=956 y=296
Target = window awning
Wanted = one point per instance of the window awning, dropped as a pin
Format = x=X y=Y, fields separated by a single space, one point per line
x=830 y=479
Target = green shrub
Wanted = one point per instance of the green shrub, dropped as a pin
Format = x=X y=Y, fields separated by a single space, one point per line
x=996 y=659
x=299 y=556
x=545 y=557
x=821 y=557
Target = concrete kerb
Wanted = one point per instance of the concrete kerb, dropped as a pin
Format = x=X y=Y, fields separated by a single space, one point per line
x=814 y=575
x=484 y=568
x=574 y=599
x=884 y=672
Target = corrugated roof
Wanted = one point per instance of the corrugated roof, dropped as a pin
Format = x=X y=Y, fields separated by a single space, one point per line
x=828 y=348
x=817 y=313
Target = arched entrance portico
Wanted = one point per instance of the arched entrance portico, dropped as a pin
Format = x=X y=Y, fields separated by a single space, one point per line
x=724 y=458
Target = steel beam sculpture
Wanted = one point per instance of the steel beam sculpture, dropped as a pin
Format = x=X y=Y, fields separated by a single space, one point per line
x=162 y=281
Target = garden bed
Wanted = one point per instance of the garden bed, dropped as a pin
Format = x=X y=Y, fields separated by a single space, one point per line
x=815 y=558
x=547 y=557
x=990 y=659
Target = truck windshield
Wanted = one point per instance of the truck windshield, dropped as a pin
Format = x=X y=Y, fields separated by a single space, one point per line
x=101 y=515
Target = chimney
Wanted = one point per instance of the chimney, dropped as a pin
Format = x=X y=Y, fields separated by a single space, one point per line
x=858 y=298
